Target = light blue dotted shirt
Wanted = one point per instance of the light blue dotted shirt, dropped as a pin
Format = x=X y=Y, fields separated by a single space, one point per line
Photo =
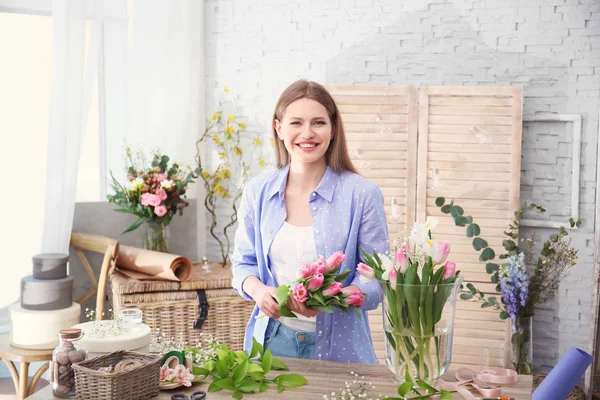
x=348 y=215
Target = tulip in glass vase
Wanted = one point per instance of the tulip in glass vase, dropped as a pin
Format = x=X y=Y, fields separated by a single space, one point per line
x=420 y=289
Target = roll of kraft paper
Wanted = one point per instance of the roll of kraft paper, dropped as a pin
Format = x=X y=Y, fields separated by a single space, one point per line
x=143 y=264
x=564 y=376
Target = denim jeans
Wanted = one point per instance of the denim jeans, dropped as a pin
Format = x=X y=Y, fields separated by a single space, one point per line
x=286 y=342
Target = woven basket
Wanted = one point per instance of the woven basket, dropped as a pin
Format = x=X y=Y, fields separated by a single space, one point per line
x=576 y=394
x=596 y=387
x=170 y=309
x=137 y=383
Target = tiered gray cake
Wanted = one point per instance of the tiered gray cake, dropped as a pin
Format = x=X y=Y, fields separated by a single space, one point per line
x=49 y=288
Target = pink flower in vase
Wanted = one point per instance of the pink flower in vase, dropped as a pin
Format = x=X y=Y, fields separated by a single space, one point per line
x=401 y=260
x=160 y=211
x=449 y=269
x=145 y=199
x=406 y=247
x=440 y=253
x=300 y=293
x=161 y=194
x=154 y=200
x=366 y=273
x=393 y=279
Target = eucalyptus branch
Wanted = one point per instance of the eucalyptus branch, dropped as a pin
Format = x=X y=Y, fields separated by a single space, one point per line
x=551 y=266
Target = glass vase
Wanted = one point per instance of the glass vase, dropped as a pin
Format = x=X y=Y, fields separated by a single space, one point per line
x=522 y=345
x=155 y=237
x=418 y=322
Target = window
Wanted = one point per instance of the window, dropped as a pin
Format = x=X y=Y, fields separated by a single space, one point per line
x=25 y=79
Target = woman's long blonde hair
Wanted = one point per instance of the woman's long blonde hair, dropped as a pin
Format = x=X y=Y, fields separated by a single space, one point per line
x=337 y=156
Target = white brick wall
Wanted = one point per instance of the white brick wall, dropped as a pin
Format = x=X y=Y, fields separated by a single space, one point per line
x=550 y=47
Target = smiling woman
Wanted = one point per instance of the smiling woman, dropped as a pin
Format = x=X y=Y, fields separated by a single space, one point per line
x=314 y=205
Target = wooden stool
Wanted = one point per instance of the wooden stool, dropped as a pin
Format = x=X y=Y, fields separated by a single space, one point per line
x=10 y=355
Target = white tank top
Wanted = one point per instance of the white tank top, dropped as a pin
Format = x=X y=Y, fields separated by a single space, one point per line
x=292 y=247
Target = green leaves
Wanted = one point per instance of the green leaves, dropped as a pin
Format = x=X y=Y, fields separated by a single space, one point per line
x=490 y=268
x=479 y=243
x=487 y=254
x=405 y=388
x=290 y=380
x=422 y=389
x=440 y=201
x=456 y=211
x=473 y=230
x=134 y=226
x=248 y=371
x=282 y=295
x=267 y=361
x=342 y=276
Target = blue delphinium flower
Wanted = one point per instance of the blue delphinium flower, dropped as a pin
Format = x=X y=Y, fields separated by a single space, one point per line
x=514 y=285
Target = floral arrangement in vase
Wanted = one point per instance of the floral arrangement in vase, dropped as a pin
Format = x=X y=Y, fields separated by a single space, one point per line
x=319 y=287
x=525 y=280
x=419 y=288
x=154 y=193
x=238 y=152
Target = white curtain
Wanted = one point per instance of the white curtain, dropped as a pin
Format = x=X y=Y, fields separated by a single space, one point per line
x=147 y=56
x=73 y=75
x=153 y=76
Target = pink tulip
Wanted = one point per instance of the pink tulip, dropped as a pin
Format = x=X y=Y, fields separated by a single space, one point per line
x=401 y=260
x=306 y=270
x=315 y=282
x=145 y=199
x=406 y=247
x=449 y=269
x=160 y=211
x=393 y=278
x=356 y=297
x=335 y=260
x=321 y=266
x=440 y=253
x=334 y=289
x=161 y=194
x=300 y=293
x=366 y=273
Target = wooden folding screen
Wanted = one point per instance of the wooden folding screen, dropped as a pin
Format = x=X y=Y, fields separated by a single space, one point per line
x=465 y=146
x=381 y=129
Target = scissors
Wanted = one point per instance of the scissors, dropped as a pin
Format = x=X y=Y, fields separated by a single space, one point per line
x=199 y=395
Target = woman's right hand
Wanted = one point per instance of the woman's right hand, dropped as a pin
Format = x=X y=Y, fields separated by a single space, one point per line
x=263 y=296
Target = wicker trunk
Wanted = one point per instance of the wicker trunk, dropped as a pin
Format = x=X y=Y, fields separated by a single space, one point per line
x=179 y=311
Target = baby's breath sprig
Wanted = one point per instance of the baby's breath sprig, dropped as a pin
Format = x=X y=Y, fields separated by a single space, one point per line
x=105 y=327
x=354 y=389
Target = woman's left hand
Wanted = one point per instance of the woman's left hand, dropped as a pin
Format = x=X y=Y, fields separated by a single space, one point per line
x=300 y=308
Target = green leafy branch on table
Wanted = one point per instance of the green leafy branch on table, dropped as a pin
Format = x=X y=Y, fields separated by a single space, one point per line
x=241 y=372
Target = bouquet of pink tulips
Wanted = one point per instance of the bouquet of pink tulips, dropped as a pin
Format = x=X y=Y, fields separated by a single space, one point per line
x=319 y=287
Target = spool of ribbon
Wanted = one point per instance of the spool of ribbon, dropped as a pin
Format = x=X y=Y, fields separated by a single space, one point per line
x=480 y=381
